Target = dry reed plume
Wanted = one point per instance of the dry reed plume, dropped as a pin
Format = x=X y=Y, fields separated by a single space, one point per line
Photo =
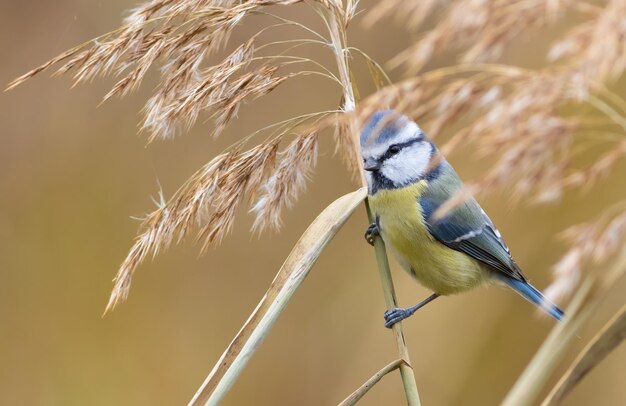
x=178 y=37
x=532 y=123
x=508 y=112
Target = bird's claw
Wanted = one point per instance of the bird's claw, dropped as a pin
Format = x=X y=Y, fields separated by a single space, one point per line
x=395 y=315
x=371 y=233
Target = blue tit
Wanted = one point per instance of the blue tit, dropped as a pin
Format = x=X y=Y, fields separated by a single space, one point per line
x=408 y=180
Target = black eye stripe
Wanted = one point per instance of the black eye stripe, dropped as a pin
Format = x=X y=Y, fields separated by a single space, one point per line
x=400 y=146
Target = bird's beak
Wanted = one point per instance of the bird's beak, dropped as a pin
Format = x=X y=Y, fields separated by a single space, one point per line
x=371 y=165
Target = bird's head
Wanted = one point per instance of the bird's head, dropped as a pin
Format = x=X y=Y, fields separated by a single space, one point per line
x=395 y=152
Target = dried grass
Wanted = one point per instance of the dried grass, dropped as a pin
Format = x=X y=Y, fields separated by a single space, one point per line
x=177 y=36
x=281 y=190
x=523 y=119
x=210 y=199
x=593 y=242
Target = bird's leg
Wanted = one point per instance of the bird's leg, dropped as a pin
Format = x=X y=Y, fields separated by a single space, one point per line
x=371 y=233
x=395 y=315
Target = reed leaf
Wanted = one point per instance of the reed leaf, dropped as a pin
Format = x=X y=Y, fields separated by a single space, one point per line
x=369 y=384
x=611 y=335
x=293 y=271
x=585 y=301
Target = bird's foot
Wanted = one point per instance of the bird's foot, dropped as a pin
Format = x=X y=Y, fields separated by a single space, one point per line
x=371 y=233
x=397 y=314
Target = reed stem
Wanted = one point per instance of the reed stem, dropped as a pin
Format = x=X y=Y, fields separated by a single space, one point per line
x=406 y=370
x=337 y=36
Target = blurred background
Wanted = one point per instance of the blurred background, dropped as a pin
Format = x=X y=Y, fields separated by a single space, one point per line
x=72 y=174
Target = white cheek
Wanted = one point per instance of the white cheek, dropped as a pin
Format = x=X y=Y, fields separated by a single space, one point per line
x=409 y=165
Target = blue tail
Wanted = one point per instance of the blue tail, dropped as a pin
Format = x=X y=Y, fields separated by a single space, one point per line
x=528 y=292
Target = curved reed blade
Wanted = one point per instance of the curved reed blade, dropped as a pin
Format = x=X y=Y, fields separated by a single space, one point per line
x=295 y=268
x=369 y=384
x=611 y=335
x=591 y=293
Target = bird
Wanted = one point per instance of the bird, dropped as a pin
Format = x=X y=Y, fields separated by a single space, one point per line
x=448 y=251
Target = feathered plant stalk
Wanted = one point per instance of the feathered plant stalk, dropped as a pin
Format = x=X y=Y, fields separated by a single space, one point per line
x=338 y=41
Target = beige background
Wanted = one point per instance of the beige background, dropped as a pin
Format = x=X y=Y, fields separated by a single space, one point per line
x=72 y=174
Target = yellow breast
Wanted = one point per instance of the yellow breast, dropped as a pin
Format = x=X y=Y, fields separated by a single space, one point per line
x=405 y=233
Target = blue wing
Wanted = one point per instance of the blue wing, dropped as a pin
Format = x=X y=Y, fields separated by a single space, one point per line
x=466 y=228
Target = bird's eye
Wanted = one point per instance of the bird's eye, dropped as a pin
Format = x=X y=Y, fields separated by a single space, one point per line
x=394 y=149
